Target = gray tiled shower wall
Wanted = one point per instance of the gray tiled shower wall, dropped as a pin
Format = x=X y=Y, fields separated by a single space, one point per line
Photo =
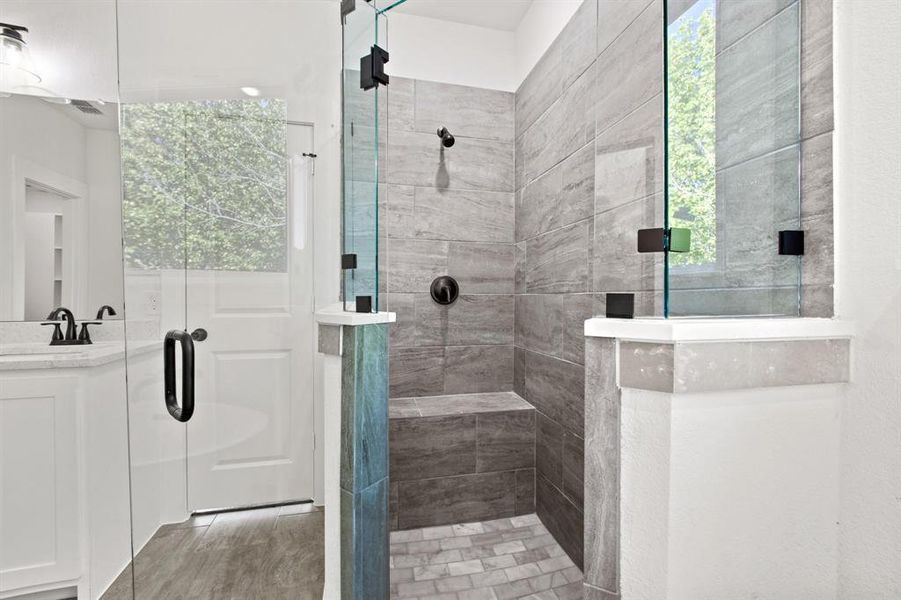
x=589 y=173
x=449 y=211
x=535 y=209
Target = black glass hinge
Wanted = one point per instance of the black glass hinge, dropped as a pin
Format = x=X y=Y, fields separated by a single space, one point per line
x=347 y=7
x=674 y=239
x=372 y=68
x=348 y=261
x=791 y=242
x=364 y=304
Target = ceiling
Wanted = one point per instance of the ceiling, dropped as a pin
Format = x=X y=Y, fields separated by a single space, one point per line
x=494 y=14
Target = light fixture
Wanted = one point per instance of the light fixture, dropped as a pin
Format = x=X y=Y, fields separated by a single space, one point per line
x=251 y=91
x=16 y=68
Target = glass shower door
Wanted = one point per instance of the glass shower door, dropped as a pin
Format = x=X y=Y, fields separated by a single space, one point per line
x=219 y=241
x=218 y=177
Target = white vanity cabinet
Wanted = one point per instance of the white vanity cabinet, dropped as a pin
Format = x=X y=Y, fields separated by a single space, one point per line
x=64 y=492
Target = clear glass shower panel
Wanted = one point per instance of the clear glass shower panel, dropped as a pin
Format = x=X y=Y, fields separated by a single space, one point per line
x=364 y=161
x=733 y=155
x=218 y=178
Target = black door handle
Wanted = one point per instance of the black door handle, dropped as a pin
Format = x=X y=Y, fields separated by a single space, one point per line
x=184 y=412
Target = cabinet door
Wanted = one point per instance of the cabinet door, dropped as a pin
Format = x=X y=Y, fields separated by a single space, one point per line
x=39 y=496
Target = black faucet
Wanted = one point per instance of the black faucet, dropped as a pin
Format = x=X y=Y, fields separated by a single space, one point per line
x=70 y=324
x=106 y=308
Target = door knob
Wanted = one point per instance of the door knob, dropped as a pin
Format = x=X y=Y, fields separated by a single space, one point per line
x=199 y=334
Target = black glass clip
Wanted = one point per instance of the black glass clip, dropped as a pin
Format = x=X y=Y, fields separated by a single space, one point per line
x=364 y=304
x=372 y=68
x=674 y=239
x=348 y=261
x=652 y=240
x=791 y=242
x=620 y=306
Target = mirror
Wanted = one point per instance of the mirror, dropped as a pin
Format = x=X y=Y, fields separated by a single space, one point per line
x=60 y=215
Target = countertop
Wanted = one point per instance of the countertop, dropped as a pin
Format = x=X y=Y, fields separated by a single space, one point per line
x=28 y=356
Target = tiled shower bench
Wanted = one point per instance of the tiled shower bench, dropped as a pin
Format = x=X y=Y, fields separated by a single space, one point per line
x=461 y=458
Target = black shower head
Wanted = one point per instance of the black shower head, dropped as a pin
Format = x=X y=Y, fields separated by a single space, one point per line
x=447 y=140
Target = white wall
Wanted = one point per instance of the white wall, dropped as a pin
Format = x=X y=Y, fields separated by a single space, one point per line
x=104 y=221
x=730 y=494
x=424 y=48
x=38 y=132
x=868 y=291
x=434 y=50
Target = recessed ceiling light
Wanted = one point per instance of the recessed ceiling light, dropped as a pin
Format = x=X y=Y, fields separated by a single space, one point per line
x=251 y=91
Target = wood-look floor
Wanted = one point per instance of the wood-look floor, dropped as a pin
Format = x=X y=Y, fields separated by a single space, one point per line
x=265 y=554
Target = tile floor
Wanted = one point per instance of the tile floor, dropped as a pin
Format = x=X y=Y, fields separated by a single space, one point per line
x=490 y=560
x=263 y=554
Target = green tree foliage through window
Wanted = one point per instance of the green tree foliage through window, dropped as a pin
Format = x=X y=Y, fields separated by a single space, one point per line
x=205 y=185
x=691 y=88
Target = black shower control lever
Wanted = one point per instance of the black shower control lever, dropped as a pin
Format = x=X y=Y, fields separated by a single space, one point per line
x=444 y=290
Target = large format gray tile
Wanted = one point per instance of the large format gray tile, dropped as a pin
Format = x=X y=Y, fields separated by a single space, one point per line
x=413 y=264
x=629 y=157
x=464 y=215
x=816 y=176
x=602 y=447
x=566 y=127
x=573 y=467
x=556 y=388
x=400 y=115
x=617 y=266
x=525 y=491
x=558 y=261
x=737 y=18
x=420 y=159
x=562 y=518
x=519 y=268
x=465 y=111
x=505 y=441
x=629 y=68
x=564 y=61
x=423 y=447
x=416 y=372
x=481 y=268
x=817 y=106
x=470 y=321
x=562 y=196
x=615 y=16
x=818 y=263
x=450 y=500
x=757 y=199
x=402 y=332
x=470 y=369
x=549 y=449
x=553 y=323
x=757 y=92
x=396 y=214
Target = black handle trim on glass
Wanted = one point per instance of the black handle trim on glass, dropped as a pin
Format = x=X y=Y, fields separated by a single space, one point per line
x=444 y=290
x=184 y=412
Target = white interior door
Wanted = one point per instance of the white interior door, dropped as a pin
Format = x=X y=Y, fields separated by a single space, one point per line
x=250 y=440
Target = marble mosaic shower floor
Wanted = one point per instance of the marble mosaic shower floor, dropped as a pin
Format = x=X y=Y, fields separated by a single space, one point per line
x=490 y=560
